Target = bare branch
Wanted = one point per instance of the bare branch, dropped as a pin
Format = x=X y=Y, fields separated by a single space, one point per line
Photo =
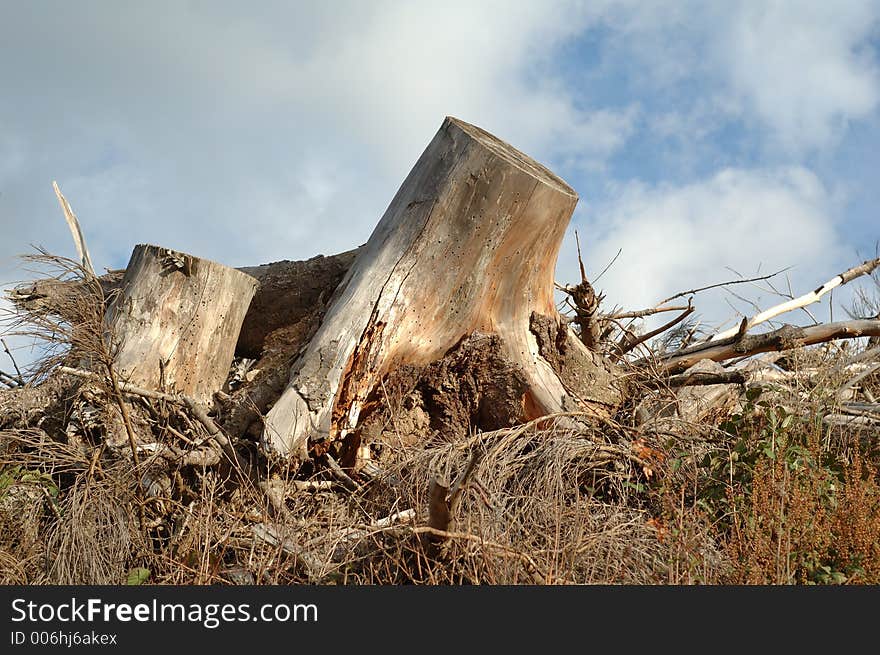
x=580 y=261
x=785 y=338
x=719 y=284
x=702 y=378
x=642 y=313
x=18 y=379
x=626 y=347
x=610 y=264
x=807 y=299
x=197 y=410
x=341 y=475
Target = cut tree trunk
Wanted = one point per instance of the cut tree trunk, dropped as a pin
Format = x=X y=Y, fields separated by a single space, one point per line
x=288 y=292
x=462 y=263
x=176 y=321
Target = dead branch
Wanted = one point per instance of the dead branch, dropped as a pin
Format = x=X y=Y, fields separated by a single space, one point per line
x=197 y=410
x=19 y=379
x=682 y=294
x=807 y=299
x=75 y=230
x=846 y=420
x=271 y=535
x=626 y=346
x=642 y=313
x=9 y=380
x=341 y=475
x=701 y=378
x=785 y=338
x=531 y=566
x=858 y=378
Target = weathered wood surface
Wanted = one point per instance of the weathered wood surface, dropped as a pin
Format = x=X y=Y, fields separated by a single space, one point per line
x=468 y=245
x=288 y=291
x=176 y=321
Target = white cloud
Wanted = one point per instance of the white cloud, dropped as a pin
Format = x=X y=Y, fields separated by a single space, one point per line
x=804 y=68
x=800 y=69
x=676 y=238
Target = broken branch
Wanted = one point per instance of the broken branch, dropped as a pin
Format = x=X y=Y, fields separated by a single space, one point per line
x=785 y=338
x=75 y=230
x=804 y=300
x=627 y=346
x=19 y=379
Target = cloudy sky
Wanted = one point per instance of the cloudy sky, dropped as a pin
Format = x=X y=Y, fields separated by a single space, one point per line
x=701 y=137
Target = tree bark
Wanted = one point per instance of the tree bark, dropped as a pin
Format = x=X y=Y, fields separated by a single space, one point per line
x=176 y=321
x=468 y=246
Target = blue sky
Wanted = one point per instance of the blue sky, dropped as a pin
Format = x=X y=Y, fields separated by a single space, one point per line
x=701 y=137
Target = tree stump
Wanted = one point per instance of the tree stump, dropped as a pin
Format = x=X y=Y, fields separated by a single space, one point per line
x=462 y=260
x=176 y=321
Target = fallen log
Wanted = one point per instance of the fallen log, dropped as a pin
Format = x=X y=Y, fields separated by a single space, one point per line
x=466 y=251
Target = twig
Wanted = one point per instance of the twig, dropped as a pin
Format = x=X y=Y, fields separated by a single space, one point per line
x=199 y=412
x=858 y=378
x=645 y=312
x=75 y=231
x=807 y=299
x=535 y=571
x=626 y=347
x=610 y=264
x=871 y=412
x=19 y=379
x=341 y=475
x=580 y=261
x=719 y=284
x=9 y=380
x=391 y=519
x=126 y=419
x=849 y=421
x=270 y=535
x=461 y=482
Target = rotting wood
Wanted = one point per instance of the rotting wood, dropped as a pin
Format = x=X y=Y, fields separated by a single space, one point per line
x=468 y=245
